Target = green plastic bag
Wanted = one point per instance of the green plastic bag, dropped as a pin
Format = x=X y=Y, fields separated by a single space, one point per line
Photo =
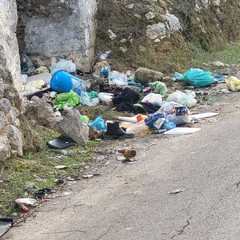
x=159 y=87
x=69 y=99
x=198 y=77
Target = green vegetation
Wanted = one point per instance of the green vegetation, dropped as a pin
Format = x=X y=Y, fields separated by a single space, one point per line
x=229 y=55
x=38 y=169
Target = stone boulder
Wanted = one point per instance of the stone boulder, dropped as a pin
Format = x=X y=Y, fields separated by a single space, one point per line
x=72 y=127
x=2 y=120
x=32 y=138
x=5 y=148
x=15 y=140
x=145 y=75
x=40 y=112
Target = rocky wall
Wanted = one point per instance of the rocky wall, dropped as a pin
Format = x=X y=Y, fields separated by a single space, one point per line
x=162 y=34
x=11 y=142
x=57 y=29
x=9 y=54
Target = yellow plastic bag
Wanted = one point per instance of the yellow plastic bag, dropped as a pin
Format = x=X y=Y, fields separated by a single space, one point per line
x=233 y=84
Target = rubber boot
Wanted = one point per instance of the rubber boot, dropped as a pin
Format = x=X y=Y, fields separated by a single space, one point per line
x=115 y=132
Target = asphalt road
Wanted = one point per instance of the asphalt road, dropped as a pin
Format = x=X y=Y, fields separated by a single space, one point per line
x=131 y=201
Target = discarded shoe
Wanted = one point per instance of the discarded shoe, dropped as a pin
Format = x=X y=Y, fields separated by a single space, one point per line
x=115 y=132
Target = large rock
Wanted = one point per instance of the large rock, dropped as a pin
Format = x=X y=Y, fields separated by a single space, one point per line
x=145 y=75
x=72 y=127
x=2 y=120
x=5 y=149
x=5 y=105
x=40 y=112
x=13 y=96
x=15 y=140
x=73 y=19
x=32 y=136
x=11 y=116
x=9 y=53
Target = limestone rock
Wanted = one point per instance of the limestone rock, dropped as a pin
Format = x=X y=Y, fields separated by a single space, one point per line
x=156 y=30
x=40 y=112
x=173 y=23
x=5 y=149
x=32 y=139
x=13 y=96
x=218 y=64
x=2 y=120
x=150 y=15
x=9 y=52
x=15 y=139
x=5 y=105
x=74 y=18
x=11 y=117
x=145 y=75
x=72 y=127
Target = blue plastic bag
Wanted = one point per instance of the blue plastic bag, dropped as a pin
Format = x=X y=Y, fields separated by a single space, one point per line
x=151 y=121
x=198 y=77
x=63 y=81
x=99 y=124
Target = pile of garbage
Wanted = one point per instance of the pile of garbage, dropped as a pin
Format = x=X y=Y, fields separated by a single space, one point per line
x=145 y=94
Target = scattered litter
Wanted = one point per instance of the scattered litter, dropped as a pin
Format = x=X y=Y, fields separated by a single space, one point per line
x=120 y=158
x=23 y=203
x=5 y=225
x=198 y=77
x=176 y=191
x=204 y=115
x=66 y=193
x=70 y=179
x=61 y=143
x=43 y=193
x=233 y=84
x=181 y=131
x=60 y=167
x=87 y=176
x=128 y=154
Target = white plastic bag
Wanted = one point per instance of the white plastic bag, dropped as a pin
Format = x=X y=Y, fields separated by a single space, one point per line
x=153 y=98
x=115 y=77
x=186 y=99
x=64 y=64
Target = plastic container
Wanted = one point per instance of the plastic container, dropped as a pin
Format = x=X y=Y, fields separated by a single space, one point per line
x=63 y=81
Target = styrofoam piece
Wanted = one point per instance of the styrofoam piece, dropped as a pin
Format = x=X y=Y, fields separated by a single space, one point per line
x=181 y=131
x=204 y=115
